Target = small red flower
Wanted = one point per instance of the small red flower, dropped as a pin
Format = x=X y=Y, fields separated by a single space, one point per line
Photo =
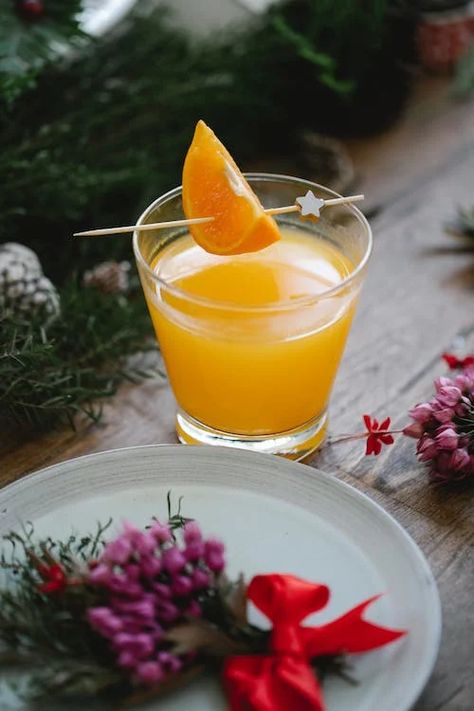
x=378 y=434
x=454 y=362
x=54 y=578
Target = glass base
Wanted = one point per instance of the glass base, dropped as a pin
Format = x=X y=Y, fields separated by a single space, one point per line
x=293 y=444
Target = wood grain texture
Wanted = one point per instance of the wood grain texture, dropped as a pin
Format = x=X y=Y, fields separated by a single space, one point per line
x=418 y=302
x=396 y=161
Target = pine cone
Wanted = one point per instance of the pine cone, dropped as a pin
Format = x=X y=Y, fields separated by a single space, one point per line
x=23 y=286
x=109 y=277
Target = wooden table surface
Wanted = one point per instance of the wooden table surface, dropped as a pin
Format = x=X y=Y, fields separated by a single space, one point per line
x=417 y=303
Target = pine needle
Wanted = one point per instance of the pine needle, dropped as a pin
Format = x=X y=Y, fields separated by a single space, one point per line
x=51 y=375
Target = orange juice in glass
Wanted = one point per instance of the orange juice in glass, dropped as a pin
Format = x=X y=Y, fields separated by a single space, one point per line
x=252 y=342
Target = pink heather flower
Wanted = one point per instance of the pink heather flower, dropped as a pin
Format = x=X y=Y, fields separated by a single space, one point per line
x=445 y=426
x=194 y=542
x=449 y=395
x=127 y=660
x=173 y=560
x=150 y=581
x=447 y=439
x=141 y=608
x=215 y=562
x=150 y=566
x=460 y=459
x=460 y=409
x=167 y=612
x=103 y=620
x=441 y=471
x=162 y=591
x=169 y=662
x=142 y=542
x=427 y=448
x=213 y=555
x=182 y=585
x=117 y=551
x=135 y=625
x=464 y=381
x=130 y=530
x=100 y=574
x=192 y=533
x=200 y=579
x=414 y=430
x=140 y=645
x=441 y=382
x=443 y=414
x=132 y=571
x=145 y=544
x=214 y=546
x=160 y=532
x=194 y=551
x=122 y=585
x=421 y=412
x=149 y=673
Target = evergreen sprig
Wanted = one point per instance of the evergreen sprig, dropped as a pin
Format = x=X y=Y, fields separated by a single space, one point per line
x=26 y=47
x=35 y=627
x=50 y=374
x=80 y=666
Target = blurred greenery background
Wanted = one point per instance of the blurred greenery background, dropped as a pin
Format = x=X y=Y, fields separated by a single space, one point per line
x=92 y=129
x=95 y=120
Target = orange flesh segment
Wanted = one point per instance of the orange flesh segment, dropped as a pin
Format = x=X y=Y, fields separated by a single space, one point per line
x=213 y=186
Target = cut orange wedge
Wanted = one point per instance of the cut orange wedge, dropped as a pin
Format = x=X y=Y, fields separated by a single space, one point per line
x=213 y=186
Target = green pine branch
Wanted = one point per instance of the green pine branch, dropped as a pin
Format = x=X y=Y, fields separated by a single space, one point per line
x=36 y=627
x=56 y=373
x=26 y=47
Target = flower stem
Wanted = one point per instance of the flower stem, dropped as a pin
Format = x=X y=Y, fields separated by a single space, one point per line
x=360 y=435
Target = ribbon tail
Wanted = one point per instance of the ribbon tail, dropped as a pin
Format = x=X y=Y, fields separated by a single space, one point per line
x=254 y=683
x=349 y=634
x=243 y=685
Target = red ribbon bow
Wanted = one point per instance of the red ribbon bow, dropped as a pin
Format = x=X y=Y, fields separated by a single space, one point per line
x=283 y=679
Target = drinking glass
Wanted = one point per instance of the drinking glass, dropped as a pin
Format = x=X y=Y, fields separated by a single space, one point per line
x=253 y=376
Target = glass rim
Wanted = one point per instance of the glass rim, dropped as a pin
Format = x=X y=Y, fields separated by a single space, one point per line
x=288 y=304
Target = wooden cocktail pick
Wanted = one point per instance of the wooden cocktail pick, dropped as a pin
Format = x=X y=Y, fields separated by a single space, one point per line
x=309 y=206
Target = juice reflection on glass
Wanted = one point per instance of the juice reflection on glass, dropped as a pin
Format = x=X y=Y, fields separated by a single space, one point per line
x=252 y=342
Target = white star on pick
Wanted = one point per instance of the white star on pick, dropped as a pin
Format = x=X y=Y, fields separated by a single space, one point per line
x=310 y=205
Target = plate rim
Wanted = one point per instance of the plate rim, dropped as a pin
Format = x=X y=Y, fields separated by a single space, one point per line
x=14 y=488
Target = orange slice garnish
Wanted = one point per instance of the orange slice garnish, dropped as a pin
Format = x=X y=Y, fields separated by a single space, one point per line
x=213 y=186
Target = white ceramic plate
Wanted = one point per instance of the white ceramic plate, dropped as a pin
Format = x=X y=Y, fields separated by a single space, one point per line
x=274 y=516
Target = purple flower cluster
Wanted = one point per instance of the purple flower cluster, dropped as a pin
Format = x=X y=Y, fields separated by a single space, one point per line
x=151 y=583
x=444 y=427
